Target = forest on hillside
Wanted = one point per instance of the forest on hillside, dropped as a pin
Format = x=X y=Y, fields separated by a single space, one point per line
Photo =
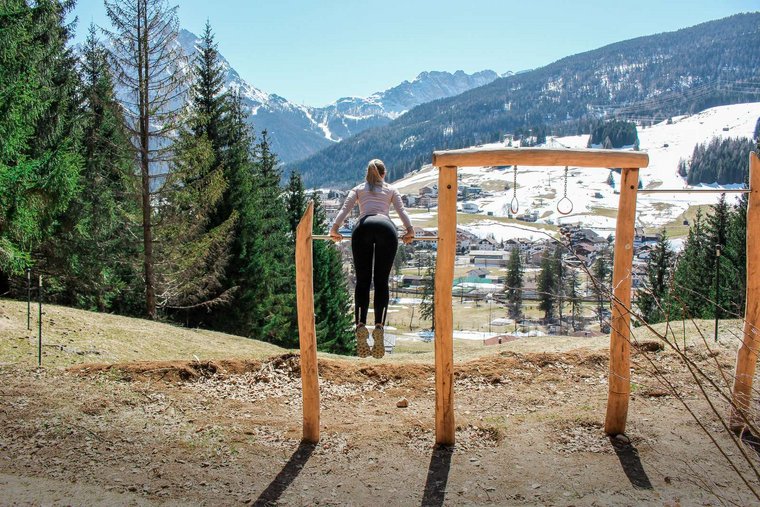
x=144 y=206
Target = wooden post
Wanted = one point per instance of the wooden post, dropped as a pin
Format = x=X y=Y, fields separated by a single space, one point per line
x=620 y=346
x=746 y=358
x=306 y=328
x=444 y=316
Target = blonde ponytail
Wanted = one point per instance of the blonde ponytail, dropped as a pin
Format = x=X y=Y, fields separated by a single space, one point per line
x=375 y=173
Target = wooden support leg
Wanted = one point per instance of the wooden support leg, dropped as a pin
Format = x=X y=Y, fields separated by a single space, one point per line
x=444 y=317
x=306 y=328
x=620 y=346
x=746 y=359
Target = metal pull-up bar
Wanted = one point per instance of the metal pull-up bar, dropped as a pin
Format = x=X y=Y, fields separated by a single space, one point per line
x=695 y=191
x=345 y=238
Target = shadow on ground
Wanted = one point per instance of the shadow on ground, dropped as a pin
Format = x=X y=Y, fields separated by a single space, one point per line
x=631 y=463
x=287 y=475
x=437 y=477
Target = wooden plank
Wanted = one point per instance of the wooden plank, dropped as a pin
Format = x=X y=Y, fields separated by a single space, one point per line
x=307 y=333
x=746 y=358
x=475 y=157
x=620 y=335
x=444 y=316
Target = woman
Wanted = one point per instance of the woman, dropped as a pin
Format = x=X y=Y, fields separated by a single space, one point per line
x=373 y=242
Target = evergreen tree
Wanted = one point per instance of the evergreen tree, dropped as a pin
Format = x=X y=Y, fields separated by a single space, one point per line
x=332 y=304
x=39 y=160
x=573 y=291
x=735 y=256
x=149 y=66
x=270 y=267
x=209 y=103
x=295 y=202
x=514 y=284
x=546 y=285
x=192 y=256
x=92 y=254
x=427 y=305
x=654 y=294
x=717 y=229
x=239 y=168
x=602 y=273
x=692 y=276
x=559 y=281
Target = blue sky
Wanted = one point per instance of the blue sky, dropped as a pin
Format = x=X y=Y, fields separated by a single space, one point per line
x=314 y=52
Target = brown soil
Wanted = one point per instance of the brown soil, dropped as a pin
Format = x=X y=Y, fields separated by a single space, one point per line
x=529 y=432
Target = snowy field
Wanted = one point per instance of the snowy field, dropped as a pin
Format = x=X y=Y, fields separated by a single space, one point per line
x=594 y=200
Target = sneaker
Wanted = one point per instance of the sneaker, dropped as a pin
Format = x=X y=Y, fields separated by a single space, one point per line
x=362 y=335
x=378 y=348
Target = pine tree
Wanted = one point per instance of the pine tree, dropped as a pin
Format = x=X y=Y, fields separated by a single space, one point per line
x=559 y=281
x=546 y=286
x=209 y=103
x=192 y=256
x=332 y=304
x=654 y=294
x=735 y=255
x=602 y=273
x=295 y=203
x=39 y=159
x=149 y=66
x=573 y=291
x=692 y=276
x=239 y=168
x=717 y=229
x=92 y=254
x=514 y=284
x=427 y=305
x=270 y=269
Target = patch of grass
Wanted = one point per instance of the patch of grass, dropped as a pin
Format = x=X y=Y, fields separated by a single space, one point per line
x=604 y=212
x=676 y=228
x=73 y=336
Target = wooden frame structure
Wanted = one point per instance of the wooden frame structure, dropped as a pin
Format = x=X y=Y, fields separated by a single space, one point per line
x=620 y=346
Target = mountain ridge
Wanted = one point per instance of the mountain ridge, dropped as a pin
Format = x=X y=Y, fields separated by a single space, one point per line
x=298 y=131
x=644 y=79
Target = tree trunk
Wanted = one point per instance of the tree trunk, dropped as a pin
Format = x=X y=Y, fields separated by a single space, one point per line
x=142 y=37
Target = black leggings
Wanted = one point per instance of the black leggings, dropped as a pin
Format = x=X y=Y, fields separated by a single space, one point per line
x=374 y=236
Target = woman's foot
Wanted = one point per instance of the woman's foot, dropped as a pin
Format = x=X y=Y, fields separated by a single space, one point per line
x=378 y=347
x=362 y=335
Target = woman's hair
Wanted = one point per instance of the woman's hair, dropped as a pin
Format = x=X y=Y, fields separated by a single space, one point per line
x=375 y=173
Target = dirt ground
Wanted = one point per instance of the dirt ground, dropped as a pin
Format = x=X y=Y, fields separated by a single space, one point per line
x=529 y=432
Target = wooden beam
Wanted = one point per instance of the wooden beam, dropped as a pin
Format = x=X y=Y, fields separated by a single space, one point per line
x=746 y=358
x=476 y=157
x=444 y=317
x=620 y=335
x=307 y=333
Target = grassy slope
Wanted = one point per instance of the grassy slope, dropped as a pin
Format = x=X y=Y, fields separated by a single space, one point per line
x=76 y=336
x=73 y=336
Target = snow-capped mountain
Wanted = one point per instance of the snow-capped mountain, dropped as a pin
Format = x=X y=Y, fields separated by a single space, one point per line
x=350 y=115
x=298 y=131
x=540 y=189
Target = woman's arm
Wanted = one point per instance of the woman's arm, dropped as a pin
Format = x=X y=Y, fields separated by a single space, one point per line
x=348 y=205
x=398 y=205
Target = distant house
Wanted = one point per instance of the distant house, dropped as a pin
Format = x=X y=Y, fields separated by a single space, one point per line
x=470 y=207
x=411 y=281
x=426 y=201
x=478 y=272
x=486 y=244
x=409 y=200
x=428 y=190
x=488 y=258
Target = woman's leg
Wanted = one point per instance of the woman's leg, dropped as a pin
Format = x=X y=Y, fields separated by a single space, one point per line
x=362 y=249
x=386 y=244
